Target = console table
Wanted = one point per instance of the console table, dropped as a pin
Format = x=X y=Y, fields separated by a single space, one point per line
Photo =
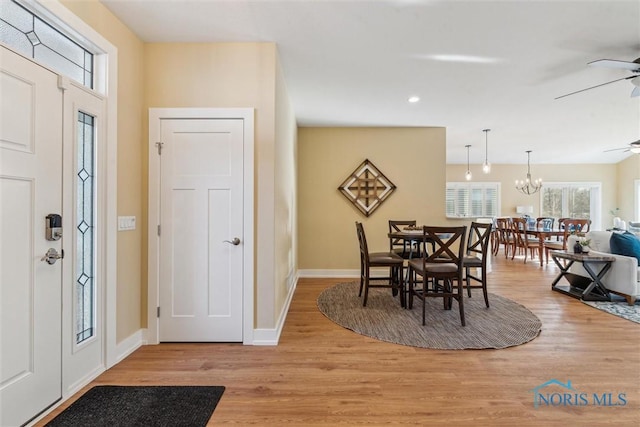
x=595 y=265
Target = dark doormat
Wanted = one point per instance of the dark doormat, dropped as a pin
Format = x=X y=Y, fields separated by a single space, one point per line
x=142 y=406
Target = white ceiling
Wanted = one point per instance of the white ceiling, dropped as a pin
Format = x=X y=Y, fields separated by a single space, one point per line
x=355 y=63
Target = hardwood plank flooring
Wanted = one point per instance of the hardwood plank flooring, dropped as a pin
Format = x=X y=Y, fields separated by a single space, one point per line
x=322 y=374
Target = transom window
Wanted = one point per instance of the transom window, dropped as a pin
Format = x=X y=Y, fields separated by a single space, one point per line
x=472 y=199
x=32 y=37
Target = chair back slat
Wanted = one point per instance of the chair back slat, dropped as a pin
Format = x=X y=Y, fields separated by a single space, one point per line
x=362 y=240
x=478 y=241
x=449 y=249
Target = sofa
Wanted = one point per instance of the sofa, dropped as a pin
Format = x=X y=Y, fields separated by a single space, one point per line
x=624 y=276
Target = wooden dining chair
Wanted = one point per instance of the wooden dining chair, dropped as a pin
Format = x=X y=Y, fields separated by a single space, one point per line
x=439 y=272
x=476 y=257
x=402 y=247
x=523 y=240
x=545 y=222
x=370 y=260
x=570 y=226
x=504 y=236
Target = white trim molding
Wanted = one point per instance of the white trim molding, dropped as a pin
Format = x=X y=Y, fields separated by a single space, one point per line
x=156 y=115
x=106 y=78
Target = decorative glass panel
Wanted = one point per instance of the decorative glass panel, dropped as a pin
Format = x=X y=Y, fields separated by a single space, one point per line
x=367 y=187
x=31 y=36
x=85 y=228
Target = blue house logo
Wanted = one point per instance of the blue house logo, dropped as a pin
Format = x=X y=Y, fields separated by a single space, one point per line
x=556 y=393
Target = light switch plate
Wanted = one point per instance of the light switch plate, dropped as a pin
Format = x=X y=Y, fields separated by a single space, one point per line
x=126 y=223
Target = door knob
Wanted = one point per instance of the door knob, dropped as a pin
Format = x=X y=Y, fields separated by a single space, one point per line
x=52 y=256
x=234 y=242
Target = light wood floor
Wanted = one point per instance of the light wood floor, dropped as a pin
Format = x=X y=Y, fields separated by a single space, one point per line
x=322 y=374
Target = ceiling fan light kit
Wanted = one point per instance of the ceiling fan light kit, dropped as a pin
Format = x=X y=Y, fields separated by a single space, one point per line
x=634 y=67
x=634 y=147
x=528 y=186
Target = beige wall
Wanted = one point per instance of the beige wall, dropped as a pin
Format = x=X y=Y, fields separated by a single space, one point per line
x=226 y=75
x=510 y=197
x=130 y=142
x=628 y=171
x=218 y=75
x=412 y=158
x=285 y=194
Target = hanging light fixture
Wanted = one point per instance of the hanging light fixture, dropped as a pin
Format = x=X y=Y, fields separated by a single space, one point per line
x=468 y=175
x=486 y=166
x=528 y=186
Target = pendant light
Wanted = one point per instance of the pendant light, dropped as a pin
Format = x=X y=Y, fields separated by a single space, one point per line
x=486 y=166
x=528 y=186
x=468 y=175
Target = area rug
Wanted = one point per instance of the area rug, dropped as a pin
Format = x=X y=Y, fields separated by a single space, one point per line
x=505 y=324
x=618 y=307
x=142 y=406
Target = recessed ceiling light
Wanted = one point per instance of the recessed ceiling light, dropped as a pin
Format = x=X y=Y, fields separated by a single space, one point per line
x=413 y=99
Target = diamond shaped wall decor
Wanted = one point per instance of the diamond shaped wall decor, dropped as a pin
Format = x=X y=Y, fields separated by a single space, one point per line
x=366 y=187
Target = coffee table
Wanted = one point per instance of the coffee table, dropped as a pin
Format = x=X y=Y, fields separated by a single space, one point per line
x=595 y=265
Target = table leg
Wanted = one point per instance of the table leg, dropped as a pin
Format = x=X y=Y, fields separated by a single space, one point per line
x=564 y=269
x=541 y=238
x=596 y=283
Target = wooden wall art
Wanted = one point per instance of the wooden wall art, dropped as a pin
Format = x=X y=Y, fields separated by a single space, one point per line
x=367 y=187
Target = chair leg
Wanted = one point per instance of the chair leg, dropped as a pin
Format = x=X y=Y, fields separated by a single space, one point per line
x=366 y=289
x=484 y=287
x=424 y=300
x=468 y=280
x=410 y=290
x=361 y=279
x=461 y=303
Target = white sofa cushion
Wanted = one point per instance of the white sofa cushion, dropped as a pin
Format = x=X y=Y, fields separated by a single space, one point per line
x=599 y=240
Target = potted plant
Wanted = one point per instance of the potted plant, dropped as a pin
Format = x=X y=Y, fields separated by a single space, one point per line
x=582 y=246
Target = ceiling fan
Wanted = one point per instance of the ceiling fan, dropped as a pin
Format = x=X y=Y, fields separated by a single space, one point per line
x=634 y=67
x=634 y=147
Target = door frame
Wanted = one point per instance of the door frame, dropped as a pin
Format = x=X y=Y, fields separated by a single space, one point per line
x=106 y=84
x=156 y=115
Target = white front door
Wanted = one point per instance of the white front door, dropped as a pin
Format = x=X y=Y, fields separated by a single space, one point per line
x=30 y=189
x=201 y=230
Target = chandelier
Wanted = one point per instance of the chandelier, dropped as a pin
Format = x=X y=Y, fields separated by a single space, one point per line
x=528 y=186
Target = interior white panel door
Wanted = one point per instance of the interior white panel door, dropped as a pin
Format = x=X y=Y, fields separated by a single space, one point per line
x=201 y=217
x=30 y=189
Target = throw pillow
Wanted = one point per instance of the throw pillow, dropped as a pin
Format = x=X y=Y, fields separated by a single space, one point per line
x=625 y=244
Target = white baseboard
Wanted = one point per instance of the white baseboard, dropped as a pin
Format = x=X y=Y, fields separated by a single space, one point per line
x=272 y=336
x=347 y=274
x=328 y=273
x=130 y=344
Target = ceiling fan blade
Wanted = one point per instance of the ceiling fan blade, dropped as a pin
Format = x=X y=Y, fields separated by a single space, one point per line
x=593 y=87
x=617 y=149
x=635 y=92
x=614 y=63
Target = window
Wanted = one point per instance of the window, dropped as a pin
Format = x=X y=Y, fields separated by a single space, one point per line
x=572 y=200
x=85 y=228
x=472 y=199
x=29 y=35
